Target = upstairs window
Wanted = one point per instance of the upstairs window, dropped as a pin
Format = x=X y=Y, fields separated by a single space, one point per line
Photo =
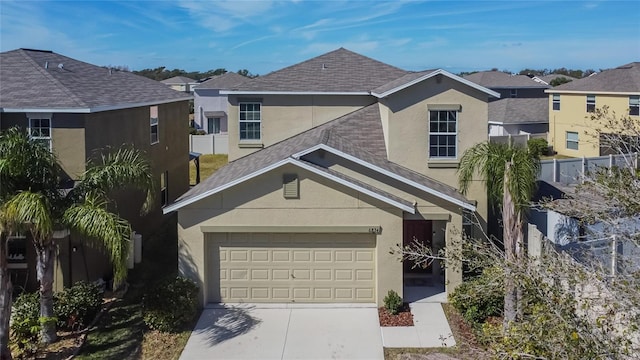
x=591 y=103
x=250 y=120
x=556 y=102
x=443 y=134
x=153 y=114
x=514 y=93
x=634 y=105
x=40 y=129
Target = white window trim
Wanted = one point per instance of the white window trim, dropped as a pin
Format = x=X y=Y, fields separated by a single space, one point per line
x=555 y=101
x=589 y=103
x=567 y=140
x=249 y=121
x=42 y=116
x=154 y=122
x=443 y=134
x=634 y=104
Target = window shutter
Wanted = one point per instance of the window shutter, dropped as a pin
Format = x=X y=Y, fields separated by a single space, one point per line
x=290 y=186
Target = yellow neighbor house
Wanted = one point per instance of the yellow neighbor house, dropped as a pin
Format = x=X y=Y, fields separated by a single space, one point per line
x=571 y=130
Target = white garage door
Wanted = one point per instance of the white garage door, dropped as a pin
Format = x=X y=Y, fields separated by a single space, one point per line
x=252 y=267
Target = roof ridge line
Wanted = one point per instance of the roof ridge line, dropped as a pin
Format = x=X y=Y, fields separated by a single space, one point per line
x=76 y=99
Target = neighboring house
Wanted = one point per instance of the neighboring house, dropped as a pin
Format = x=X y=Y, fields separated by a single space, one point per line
x=210 y=108
x=571 y=131
x=78 y=109
x=333 y=162
x=180 y=83
x=522 y=107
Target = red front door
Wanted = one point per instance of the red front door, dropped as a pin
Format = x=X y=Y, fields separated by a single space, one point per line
x=420 y=231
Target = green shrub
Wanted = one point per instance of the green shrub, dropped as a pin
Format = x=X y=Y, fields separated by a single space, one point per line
x=171 y=304
x=538 y=147
x=480 y=297
x=77 y=306
x=25 y=321
x=392 y=302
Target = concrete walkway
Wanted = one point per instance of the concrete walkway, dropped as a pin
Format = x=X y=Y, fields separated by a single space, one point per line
x=286 y=331
x=431 y=328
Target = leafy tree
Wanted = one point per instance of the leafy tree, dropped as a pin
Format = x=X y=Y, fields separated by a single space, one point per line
x=559 y=81
x=39 y=207
x=245 y=72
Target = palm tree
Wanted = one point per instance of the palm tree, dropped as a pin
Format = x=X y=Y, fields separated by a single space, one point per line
x=86 y=208
x=509 y=174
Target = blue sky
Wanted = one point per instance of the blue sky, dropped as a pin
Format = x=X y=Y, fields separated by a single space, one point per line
x=264 y=36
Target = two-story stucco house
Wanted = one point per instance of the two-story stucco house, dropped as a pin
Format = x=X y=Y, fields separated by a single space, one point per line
x=572 y=132
x=180 y=83
x=210 y=108
x=79 y=109
x=333 y=162
x=522 y=107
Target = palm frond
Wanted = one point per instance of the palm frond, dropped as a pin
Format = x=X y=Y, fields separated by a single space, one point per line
x=124 y=168
x=29 y=211
x=92 y=219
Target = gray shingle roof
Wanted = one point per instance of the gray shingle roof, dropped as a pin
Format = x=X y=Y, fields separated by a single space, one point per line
x=501 y=80
x=26 y=83
x=177 y=80
x=400 y=81
x=337 y=71
x=625 y=78
x=224 y=81
x=519 y=110
x=344 y=134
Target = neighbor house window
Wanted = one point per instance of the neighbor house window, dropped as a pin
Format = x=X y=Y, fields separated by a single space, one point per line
x=634 y=105
x=556 y=101
x=591 y=103
x=164 y=192
x=153 y=114
x=443 y=134
x=16 y=251
x=572 y=140
x=514 y=93
x=213 y=125
x=40 y=129
x=250 y=118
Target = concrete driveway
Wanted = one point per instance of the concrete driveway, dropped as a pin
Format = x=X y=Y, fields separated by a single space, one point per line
x=252 y=331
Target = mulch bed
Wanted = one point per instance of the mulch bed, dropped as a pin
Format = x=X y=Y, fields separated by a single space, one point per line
x=403 y=318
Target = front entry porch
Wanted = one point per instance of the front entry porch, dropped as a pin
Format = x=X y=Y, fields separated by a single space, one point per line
x=423 y=283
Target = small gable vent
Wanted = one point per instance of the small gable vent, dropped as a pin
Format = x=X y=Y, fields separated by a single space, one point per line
x=290 y=186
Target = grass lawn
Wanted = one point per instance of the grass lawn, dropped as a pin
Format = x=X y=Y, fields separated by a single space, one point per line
x=208 y=165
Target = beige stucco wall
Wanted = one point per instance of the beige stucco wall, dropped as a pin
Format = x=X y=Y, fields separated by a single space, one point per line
x=286 y=115
x=259 y=202
x=573 y=117
x=408 y=130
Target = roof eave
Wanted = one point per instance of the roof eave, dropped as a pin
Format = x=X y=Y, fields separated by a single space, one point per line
x=250 y=92
x=390 y=174
x=94 y=109
x=177 y=205
x=591 y=92
x=432 y=74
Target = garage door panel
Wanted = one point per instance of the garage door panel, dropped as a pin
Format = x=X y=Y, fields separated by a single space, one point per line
x=293 y=267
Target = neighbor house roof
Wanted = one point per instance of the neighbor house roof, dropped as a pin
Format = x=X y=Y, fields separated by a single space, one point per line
x=178 y=80
x=43 y=81
x=519 y=111
x=501 y=80
x=343 y=137
x=339 y=71
x=623 y=79
x=224 y=81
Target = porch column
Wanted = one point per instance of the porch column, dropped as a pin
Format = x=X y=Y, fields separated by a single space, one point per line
x=453 y=271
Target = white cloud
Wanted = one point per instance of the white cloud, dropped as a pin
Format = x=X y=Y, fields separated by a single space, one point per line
x=221 y=16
